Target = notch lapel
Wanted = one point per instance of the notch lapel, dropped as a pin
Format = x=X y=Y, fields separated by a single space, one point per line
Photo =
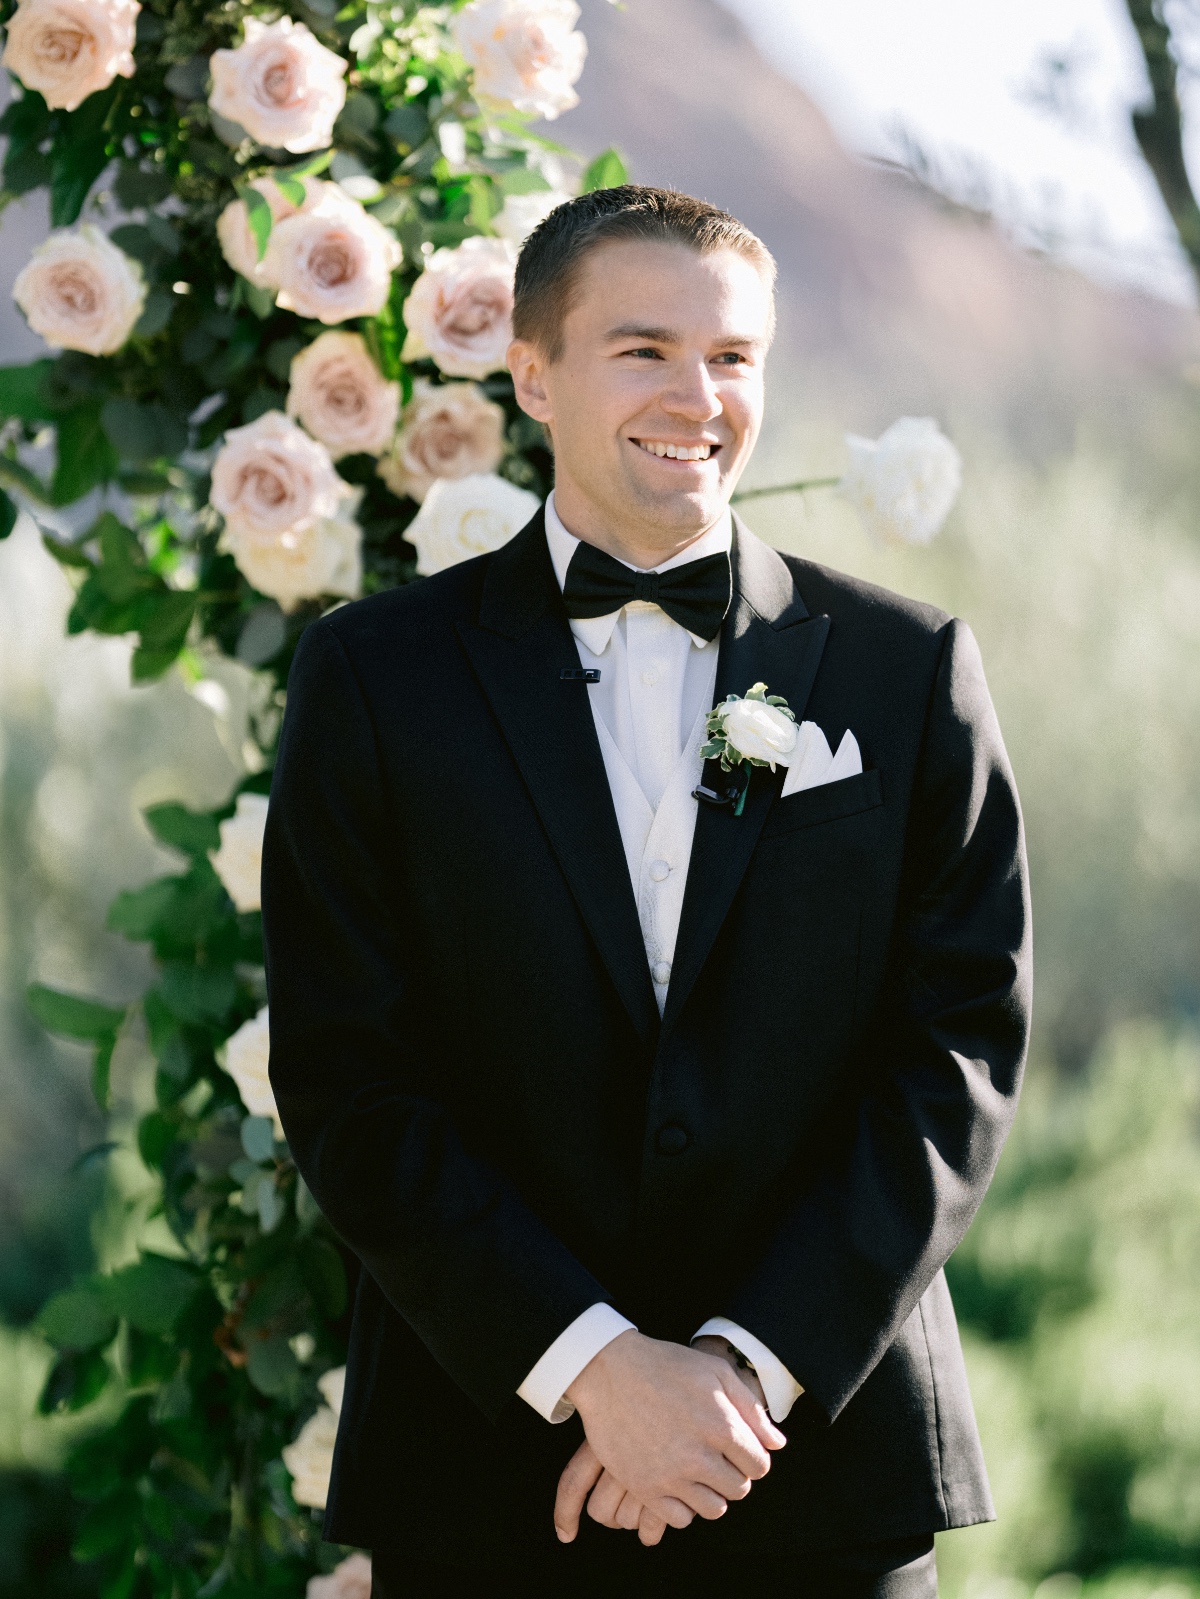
x=768 y=636
x=519 y=649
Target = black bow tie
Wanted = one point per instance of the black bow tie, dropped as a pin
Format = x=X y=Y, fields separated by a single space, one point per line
x=696 y=595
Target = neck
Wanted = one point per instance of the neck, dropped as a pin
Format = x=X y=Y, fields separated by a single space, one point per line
x=637 y=544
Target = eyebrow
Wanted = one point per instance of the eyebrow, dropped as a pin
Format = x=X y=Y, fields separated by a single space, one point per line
x=635 y=330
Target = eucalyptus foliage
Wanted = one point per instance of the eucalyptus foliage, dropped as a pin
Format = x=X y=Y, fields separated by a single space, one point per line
x=205 y=1358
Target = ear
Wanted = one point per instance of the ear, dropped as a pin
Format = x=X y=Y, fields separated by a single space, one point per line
x=528 y=365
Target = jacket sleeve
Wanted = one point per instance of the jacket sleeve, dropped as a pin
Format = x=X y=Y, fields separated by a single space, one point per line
x=943 y=1062
x=480 y=1279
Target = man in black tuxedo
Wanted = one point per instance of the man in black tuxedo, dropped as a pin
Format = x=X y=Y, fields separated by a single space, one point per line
x=644 y=1099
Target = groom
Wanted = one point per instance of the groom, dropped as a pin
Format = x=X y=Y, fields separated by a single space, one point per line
x=652 y=1108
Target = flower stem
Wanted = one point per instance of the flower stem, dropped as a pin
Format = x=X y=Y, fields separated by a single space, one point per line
x=788 y=488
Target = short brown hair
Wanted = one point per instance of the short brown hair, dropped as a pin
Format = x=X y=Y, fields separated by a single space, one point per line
x=550 y=260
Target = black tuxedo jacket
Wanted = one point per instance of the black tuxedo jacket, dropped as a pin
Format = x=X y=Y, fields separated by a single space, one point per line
x=476 y=1085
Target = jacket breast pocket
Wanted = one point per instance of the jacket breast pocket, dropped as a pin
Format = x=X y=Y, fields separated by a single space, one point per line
x=828 y=802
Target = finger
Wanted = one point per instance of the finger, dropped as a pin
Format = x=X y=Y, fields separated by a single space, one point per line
x=629 y=1513
x=578 y=1478
x=740 y=1444
x=752 y=1413
x=673 y=1511
x=696 y=1496
x=650 y=1527
x=605 y=1500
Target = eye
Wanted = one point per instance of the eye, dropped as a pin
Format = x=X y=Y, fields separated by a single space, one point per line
x=730 y=358
x=646 y=353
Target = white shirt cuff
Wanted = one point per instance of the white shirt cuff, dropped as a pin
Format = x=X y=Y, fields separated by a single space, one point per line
x=566 y=1357
x=780 y=1388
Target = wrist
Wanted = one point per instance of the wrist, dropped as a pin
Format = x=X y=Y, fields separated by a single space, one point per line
x=596 y=1376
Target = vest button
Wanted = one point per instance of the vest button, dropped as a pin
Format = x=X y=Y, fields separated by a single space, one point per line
x=659 y=871
x=672 y=1139
x=661 y=973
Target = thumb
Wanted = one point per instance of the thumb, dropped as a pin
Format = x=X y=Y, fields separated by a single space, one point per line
x=580 y=1475
x=752 y=1413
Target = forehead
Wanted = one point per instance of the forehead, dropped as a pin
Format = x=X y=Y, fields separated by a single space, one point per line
x=669 y=285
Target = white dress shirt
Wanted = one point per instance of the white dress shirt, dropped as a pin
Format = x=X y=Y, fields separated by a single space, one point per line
x=656 y=688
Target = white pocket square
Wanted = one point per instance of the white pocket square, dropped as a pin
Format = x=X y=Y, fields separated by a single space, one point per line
x=813 y=763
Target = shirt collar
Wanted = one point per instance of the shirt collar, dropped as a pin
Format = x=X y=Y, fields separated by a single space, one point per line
x=594 y=632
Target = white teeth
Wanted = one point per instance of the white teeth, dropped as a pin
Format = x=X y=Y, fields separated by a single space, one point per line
x=678 y=452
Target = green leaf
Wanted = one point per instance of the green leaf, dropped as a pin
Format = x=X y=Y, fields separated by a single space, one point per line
x=291 y=188
x=407 y=124
x=8 y=515
x=143 y=432
x=74 y=1381
x=522 y=180
x=198 y=994
x=107 y=1527
x=607 y=171
x=192 y=832
x=156 y=313
x=72 y=1016
x=80 y=154
x=136 y=186
x=101 y=1070
x=85 y=456
x=25 y=392
x=258 y=1137
x=77 y=1319
x=272 y=1367
x=258 y=214
x=152 y=1294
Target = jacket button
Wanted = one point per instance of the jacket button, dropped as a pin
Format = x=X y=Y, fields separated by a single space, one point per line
x=672 y=1139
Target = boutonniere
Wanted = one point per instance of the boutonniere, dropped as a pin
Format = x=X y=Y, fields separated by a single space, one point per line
x=758 y=730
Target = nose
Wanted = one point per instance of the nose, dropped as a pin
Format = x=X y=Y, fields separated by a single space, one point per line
x=691 y=392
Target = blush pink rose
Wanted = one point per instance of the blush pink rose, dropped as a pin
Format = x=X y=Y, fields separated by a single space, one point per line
x=281 y=84
x=460 y=309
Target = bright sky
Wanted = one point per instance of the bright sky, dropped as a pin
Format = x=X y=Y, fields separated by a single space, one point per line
x=969 y=81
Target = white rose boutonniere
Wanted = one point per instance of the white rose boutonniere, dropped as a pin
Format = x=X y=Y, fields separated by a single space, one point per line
x=758 y=730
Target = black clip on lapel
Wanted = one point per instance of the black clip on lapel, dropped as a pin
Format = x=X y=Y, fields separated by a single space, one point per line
x=579 y=674
x=726 y=796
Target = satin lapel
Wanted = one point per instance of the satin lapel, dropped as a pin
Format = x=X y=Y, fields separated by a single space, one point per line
x=767 y=637
x=518 y=651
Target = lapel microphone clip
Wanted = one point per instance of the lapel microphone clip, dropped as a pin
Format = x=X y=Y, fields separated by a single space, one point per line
x=579 y=674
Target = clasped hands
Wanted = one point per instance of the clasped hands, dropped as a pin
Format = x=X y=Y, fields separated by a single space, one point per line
x=671 y=1433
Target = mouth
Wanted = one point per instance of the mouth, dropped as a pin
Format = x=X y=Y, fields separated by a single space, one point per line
x=684 y=454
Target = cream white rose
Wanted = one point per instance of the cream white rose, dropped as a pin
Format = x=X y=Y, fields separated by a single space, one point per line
x=238 y=862
x=80 y=292
x=447 y=430
x=523 y=53
x=304 y=564
x=235 y=236
x=349 y=1580
x=341 y=396
x=467 y=516
x=247 y=1057
x=310 y=1458
x=757 y=731
x=281 y=84
x=332 y=262
x=904 y=483
x=460 y=308
x=521 y=213
x=67 y=49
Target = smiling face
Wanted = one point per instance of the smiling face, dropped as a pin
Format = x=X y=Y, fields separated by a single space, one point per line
x=656 y=399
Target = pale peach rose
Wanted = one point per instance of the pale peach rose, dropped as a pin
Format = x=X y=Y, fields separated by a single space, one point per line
x=467 y=516
x=80 y=292
x=238 y=862
x=447 y=430
x=341 y=396
x=523 y=52
x=67 y=49
x=247 y=1060
x=289 y=518
x=332 y=262
x=280 y=84
x=349 y=1580
x=234 y=234
x=460 y=309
